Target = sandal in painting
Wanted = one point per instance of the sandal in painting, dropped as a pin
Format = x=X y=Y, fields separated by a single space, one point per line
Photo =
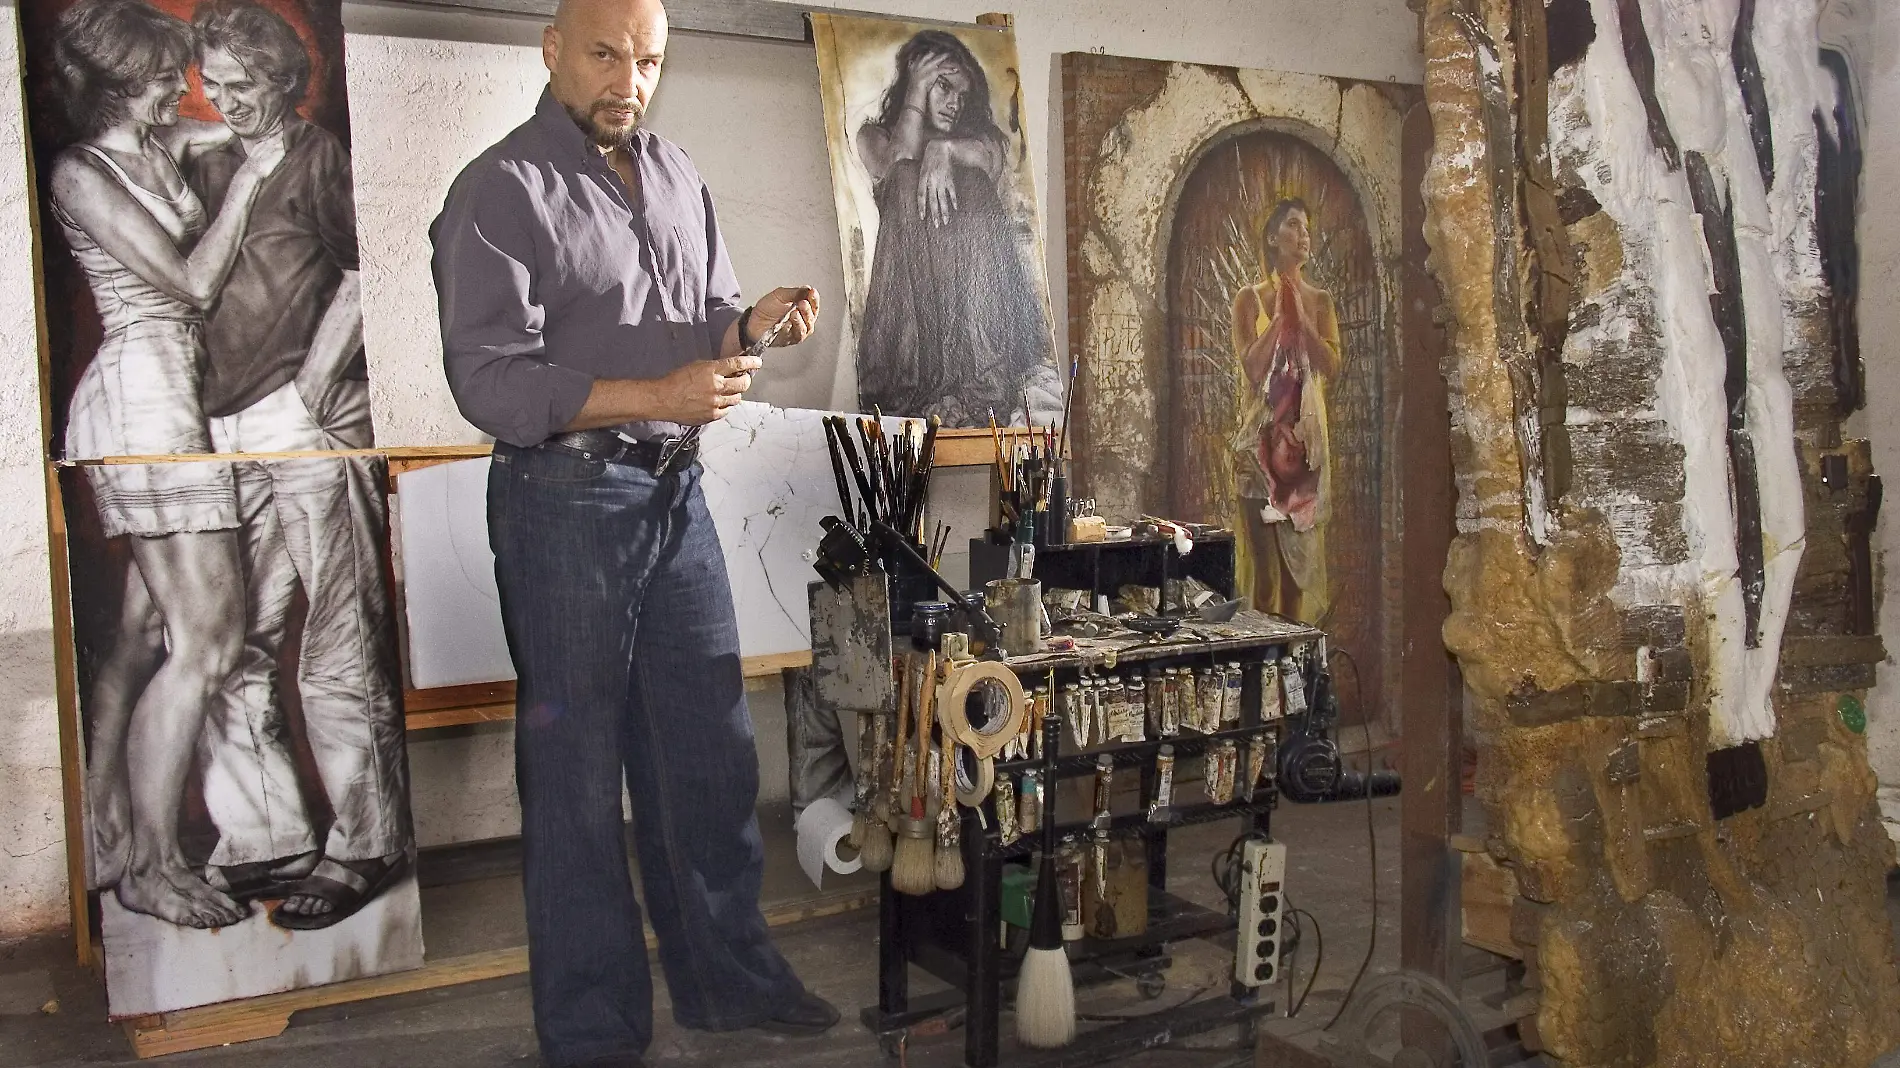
x=347 y=885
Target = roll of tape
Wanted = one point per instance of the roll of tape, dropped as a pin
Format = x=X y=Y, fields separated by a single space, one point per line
x=970 y=794
x=951 y=713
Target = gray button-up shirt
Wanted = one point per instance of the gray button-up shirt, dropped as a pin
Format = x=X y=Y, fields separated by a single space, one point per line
x=550 y=273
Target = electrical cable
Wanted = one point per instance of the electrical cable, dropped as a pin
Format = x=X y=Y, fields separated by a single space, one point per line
x=1372 y=849
x=1224 y=867
x=1319 y=952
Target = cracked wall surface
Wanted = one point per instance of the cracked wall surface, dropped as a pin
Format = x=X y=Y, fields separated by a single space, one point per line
x=1621 y=666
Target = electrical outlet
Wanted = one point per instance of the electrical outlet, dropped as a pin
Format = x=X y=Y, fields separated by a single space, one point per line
x=1262 y=907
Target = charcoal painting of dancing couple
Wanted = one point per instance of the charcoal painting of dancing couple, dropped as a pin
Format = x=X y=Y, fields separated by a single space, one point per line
x=246 y=782
x=943 y=254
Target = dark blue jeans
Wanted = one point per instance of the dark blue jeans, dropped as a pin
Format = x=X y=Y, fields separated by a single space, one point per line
x=620 y=623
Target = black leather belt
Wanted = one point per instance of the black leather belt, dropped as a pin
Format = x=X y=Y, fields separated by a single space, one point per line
x=661 y=456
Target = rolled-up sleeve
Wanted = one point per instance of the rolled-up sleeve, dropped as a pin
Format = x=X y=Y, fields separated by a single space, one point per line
x=723 y=302
x=494 y=350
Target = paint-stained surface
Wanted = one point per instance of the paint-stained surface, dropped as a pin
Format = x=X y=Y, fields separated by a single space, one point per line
x=1609 y=654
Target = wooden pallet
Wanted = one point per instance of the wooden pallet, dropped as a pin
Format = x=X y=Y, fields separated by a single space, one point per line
x=267 y=1017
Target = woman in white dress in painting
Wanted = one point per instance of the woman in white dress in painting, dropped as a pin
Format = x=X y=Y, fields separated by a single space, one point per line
x=154 y=262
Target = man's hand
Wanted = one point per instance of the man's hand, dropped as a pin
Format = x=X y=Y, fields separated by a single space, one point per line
x=701 y=391
x=803 y=302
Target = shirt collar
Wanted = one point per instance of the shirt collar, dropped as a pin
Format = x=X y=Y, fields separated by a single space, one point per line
x=559 y=125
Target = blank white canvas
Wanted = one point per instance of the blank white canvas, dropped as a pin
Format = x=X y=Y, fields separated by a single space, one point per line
x=767 y=479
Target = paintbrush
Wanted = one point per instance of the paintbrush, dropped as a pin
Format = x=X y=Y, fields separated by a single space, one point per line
x=1068 y=401
x=837 y=469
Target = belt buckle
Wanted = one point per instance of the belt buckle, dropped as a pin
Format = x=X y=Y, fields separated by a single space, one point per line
x=669 y=451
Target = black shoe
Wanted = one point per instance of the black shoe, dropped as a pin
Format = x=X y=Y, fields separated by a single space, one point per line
x=808 y=1016
x=616 y=1060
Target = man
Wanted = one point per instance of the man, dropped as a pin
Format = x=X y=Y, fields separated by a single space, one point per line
x=286 y=373
x=589 y=311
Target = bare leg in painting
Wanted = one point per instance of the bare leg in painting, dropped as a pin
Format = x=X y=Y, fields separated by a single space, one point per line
x=137 y=650
x=193 y=580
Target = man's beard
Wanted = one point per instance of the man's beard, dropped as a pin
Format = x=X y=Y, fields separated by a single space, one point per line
x=606 y=137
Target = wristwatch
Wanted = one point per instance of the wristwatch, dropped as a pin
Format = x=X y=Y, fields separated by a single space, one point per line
x=745 y=317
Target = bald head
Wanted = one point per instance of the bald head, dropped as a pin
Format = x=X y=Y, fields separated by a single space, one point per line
x=603 y=59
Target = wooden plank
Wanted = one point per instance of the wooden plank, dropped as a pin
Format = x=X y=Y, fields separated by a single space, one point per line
x=1488 y=890
x=438 y=698
x=65 y=669
x=965 y=448
x=458 y=717
x=1430 y=690
x=72 y=772
x=494 y=702
x=1833 y=650
x=268 y=1016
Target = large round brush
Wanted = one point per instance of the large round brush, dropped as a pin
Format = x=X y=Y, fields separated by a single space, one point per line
x=949 y=833
x=884 y=808
x=1045 y=991
x=872 y=835
x=914 y=867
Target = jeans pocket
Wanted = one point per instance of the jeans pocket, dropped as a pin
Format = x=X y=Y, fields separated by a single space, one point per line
x=559 y=468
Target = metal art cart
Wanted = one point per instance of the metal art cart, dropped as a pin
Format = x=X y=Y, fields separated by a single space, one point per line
x=953 y=935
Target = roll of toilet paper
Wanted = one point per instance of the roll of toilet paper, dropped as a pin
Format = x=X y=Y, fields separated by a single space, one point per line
x=823 y=825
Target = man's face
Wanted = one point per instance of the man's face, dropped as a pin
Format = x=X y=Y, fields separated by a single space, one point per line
x=945 y=100
x=251 y=106
x=603 y=59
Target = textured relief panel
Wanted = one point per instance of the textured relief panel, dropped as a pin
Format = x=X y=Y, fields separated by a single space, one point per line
x=1653 y=618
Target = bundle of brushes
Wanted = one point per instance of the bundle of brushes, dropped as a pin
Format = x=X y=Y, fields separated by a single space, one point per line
x=1032 y=466
x=1045 y=989
x=869 y=833
x=914 y=866
x=884 y=810
x=891 y=473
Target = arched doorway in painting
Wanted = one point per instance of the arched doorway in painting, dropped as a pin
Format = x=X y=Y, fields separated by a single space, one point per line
x=1216 y=251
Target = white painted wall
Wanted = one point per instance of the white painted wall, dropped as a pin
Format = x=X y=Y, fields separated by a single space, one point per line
x=428 y=90
x=1879 y=59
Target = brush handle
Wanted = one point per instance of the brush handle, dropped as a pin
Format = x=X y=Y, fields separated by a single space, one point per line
x=1051 y=741
x=926 y=705
x=903 y=725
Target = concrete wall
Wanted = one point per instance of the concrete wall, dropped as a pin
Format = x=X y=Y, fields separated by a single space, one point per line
x=428 y=90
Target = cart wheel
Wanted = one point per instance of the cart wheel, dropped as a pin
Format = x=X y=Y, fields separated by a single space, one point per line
x=892 y=1042
x=1150 y=984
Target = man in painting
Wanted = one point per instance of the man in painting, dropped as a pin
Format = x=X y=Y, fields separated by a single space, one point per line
x=1286 y=340
x=286 y=373
x=953 y=324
